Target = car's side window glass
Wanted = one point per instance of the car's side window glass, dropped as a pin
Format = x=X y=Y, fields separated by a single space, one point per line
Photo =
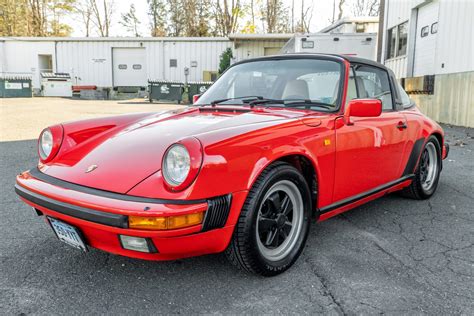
x=374 y=83
x=351 y=88
x=322 y=86
x=406 y=101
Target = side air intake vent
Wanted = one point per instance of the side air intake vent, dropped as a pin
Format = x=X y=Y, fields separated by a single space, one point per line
x=217 y=212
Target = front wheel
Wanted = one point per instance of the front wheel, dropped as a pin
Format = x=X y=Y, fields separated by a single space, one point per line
x=427 y=173
x=274 y=222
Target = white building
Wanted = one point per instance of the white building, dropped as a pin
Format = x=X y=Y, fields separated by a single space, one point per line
x=125 y=62
x=433 y=38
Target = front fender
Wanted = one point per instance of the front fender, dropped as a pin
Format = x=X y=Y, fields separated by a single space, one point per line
x=234 y=164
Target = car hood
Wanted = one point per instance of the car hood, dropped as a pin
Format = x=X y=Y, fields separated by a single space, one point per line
x=131 y=153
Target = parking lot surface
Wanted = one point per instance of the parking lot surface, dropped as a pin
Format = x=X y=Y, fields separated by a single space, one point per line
x=392 y=255
x=24 y=118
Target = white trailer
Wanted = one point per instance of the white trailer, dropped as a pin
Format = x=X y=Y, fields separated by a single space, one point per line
x=354 y=44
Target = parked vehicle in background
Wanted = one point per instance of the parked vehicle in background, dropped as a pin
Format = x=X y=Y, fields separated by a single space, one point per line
x=363 y=45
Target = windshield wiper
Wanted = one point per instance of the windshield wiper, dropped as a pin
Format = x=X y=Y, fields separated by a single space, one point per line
x=250 y=97
x=307 y=103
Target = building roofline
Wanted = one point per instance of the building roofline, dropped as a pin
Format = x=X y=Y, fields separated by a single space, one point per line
x=272 y=36
x=360 y=19
x=114 y=39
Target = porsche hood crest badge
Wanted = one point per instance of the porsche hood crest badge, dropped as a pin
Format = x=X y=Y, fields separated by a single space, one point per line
x=91 y=168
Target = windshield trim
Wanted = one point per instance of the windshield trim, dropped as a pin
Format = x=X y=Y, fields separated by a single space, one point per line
x=340 y=60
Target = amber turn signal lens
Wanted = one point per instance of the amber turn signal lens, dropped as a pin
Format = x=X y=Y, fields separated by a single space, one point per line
x=165 y=223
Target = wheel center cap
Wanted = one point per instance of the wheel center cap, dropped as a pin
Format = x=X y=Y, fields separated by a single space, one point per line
x=281 y=220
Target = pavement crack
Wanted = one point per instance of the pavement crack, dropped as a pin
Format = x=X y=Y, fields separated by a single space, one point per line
x=325 y=289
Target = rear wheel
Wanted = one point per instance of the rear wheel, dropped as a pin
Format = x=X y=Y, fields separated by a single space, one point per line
x=274 y=222
x=427 y=173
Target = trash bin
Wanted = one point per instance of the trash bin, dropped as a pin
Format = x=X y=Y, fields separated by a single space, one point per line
x=15 y=87
x=165 y=90
x=197 y=87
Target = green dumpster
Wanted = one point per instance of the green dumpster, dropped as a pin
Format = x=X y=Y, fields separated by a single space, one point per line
x=197 y=87
x=165 y=90
x=15 y=87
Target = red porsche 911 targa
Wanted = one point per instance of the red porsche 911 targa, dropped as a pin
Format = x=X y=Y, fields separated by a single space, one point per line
x=276 y=143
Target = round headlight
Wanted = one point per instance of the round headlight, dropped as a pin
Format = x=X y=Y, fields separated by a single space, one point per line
x=176 y=164
x=46 y=144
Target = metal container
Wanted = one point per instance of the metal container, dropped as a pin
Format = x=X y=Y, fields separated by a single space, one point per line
x=165 y=90
x=56 y=84
x=15 y=87
x=198 y=87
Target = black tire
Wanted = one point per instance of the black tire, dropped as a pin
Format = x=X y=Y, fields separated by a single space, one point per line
x=243 y=250
x=416 y=190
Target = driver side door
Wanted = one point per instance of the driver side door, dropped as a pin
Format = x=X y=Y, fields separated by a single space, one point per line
x=369 y=152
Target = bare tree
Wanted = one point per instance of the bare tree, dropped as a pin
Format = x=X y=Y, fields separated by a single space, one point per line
x=38 y=17
x=176 y=20
x=130 y=21
x=227 y=14
x=84 y=9
x=197 y=17
x=292 y=16
x=276 y=16
x=305 y=18
x=14 y=18
x=366 y=8
x=34 y=17
x=158 y=14
x=341 y=9
x=102 y=15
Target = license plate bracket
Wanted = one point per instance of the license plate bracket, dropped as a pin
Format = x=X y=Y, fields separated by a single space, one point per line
x=68 y=234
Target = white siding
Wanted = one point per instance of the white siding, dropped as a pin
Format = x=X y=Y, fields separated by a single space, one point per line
x=2 y=56
x=398 y=65
x=454 y=50
x=91 y=61
x=251 y=49
x=22 y=58
x=206 y=54
x=455 y=41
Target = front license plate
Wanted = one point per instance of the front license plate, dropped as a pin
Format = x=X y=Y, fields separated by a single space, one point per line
x=68 y=234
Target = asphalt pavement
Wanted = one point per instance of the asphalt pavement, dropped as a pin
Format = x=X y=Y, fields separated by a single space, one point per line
x=390 y=256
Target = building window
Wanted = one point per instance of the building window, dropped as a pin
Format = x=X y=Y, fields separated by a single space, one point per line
x=434 y=28
x=425 y=30
x=360 y=27
x=402 y=39
x=307 y=44
x=397 y=41
x=122 y=66
x=137 y=66
x=173 y=63
x=391 y=43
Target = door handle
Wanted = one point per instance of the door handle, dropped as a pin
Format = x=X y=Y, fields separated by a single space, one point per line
x=401 y=125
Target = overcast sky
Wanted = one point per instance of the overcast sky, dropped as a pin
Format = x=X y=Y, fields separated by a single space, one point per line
x=322 y=12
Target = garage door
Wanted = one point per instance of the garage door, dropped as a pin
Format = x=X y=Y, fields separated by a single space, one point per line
x=129 y=67
x=425 y=44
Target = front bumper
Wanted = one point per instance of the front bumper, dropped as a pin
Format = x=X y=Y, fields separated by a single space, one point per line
x=103 y=217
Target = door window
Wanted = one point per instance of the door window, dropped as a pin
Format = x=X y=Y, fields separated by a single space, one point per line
x=374 y=83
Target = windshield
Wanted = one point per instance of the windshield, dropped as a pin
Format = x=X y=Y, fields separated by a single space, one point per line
x=275 y=81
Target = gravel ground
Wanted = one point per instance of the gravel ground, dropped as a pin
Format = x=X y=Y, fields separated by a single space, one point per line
x=390 y=256
x=25 y=118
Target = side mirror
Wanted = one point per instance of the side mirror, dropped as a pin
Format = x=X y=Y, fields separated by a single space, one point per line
x=363 y=108
x=196 y=97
